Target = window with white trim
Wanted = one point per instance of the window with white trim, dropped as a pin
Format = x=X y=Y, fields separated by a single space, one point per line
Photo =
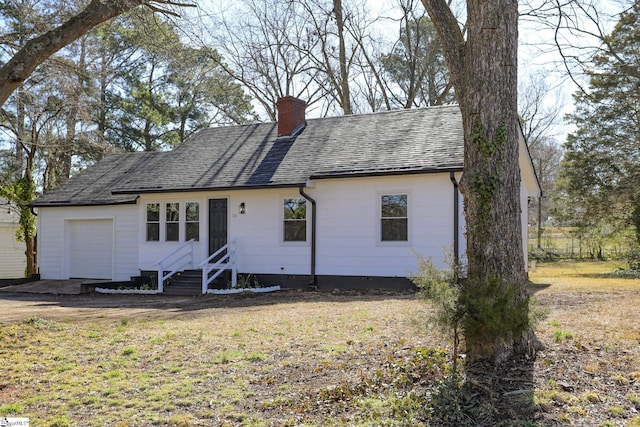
x=192 y=221
x=295 y=220
x=172 y=222
x=153 y=222
x=394 y=218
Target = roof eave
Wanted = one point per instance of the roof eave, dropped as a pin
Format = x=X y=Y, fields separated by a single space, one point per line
x=64 y=204
x=196 y=189
x=365 y=174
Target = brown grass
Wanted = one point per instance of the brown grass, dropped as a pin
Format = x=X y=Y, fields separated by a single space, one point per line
x=297 y=358
x=260 y=362
x=598 y=367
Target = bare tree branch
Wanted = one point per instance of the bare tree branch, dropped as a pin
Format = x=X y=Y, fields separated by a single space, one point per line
x=451 y=37
x=37 y=50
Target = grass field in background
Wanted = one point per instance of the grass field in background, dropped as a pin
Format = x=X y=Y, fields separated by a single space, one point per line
x=564 y=242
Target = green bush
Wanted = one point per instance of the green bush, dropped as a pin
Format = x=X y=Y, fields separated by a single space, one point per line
x=442 y=288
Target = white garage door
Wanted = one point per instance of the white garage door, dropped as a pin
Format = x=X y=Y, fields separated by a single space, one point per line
x=91 y=249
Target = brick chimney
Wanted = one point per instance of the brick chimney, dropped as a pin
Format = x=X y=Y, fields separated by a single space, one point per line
x=290 y=115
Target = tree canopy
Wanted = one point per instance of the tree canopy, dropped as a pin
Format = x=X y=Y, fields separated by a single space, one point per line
x=38 y=49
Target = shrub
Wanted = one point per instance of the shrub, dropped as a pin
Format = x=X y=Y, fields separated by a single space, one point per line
x=441 y=287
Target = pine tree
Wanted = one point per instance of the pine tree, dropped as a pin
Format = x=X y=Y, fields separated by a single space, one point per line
x=600 y=173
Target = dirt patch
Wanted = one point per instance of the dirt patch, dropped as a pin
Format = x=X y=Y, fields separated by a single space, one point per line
x=93 y=307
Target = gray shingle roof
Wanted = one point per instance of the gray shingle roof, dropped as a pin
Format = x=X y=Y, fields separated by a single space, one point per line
x=250 y=156
x=94 y=185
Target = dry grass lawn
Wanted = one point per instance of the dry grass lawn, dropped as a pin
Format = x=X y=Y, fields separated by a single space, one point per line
x=295 y=358
x=589 y=374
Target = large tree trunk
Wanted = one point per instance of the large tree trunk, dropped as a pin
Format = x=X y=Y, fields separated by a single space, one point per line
x=484 y=73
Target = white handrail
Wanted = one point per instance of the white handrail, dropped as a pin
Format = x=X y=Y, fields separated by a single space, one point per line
x=227 y=261
x=178 y=249
x=186 y=259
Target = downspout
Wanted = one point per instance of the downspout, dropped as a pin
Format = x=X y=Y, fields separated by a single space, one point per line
x=456 y=220
x=314 y=281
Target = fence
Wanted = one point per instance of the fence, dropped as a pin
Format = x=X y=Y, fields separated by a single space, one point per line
x=565 y=242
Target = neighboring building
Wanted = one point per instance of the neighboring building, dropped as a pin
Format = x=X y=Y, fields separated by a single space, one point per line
x=341 y=201
x=12 y=253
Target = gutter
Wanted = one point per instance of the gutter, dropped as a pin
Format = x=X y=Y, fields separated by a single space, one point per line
x=314 y=278
x=456 y=219
x=394 y=172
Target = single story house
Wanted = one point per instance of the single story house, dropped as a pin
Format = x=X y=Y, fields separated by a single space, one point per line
x=13 y=261
x=340 y=201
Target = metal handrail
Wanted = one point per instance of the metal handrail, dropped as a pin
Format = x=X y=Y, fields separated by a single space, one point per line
x=171 y=267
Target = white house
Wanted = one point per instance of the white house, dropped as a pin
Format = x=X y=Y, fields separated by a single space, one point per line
x=12 y=257
x=342 y=201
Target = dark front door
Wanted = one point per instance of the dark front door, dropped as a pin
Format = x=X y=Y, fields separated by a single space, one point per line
x=217 y=224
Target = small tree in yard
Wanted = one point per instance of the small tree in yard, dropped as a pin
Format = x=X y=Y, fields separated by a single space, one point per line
x=441 y=287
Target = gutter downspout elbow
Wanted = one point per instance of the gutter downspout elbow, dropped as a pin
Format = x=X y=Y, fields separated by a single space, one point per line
x=314 y=278
x=456 y=220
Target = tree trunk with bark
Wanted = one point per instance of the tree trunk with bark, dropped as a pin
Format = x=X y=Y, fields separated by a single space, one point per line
x=483 y=70
x=345 y=95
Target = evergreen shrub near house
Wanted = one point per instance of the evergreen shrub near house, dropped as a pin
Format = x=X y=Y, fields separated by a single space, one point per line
x=481 y=313
x=442 y=288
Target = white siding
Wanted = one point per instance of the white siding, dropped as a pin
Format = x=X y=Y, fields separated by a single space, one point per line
x=524 y=221
x=53 y=241
x=527 y=173
x=349 y=223
x=348 y=240
x=12 y=257
x=258 y=231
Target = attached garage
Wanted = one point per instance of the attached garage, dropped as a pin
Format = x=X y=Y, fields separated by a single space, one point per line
x=90 y=248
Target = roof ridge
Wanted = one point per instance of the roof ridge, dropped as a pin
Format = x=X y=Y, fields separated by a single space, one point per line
x=380 y=112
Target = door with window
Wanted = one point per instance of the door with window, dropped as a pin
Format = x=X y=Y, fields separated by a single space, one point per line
x=217 y=225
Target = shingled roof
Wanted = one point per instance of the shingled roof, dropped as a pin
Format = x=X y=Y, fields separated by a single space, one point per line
x=253 y=156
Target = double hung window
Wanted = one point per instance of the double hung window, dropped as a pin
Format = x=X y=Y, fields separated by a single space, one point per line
x=295 y=220
x=192 y=221
x=394 y=218
x=172 y=224
x=153 y=222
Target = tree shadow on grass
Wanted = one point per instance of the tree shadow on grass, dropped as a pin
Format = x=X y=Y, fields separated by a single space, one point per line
x=487 y=396
x=160 y=306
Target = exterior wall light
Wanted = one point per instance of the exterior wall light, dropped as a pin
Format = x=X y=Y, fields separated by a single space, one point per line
x=241 y=209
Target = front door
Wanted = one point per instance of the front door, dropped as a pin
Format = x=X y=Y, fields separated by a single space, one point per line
x=217 y=225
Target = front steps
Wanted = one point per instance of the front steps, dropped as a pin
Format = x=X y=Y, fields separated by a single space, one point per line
x=189 y=283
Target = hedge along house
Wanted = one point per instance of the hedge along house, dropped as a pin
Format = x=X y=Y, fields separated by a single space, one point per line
x=346 y=201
